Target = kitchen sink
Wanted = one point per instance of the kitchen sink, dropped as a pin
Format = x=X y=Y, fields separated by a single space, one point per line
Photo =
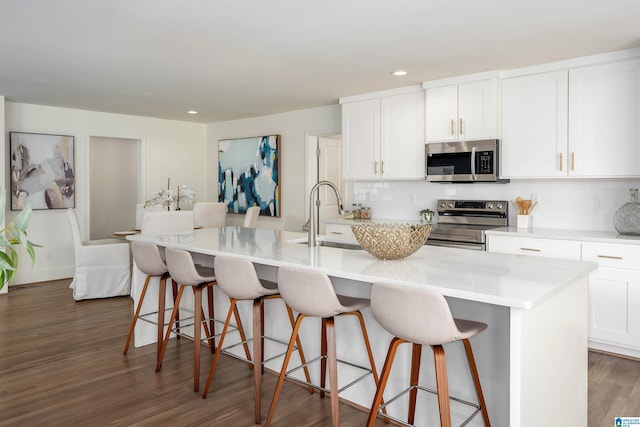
x=332 y=244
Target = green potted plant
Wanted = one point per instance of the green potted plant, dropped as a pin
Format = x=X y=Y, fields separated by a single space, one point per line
x=14 y=233
x=426 y=215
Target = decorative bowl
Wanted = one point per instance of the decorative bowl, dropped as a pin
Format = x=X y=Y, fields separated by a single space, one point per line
x=391 y=241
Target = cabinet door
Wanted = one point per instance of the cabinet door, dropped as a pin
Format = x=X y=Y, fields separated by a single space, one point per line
x=614 y=297
x=402 y=136
x=442 y=113
x=534 y=246
x=360 y=139
x=477 y=110
x=604 y=119
x=339 y=232
x=534 y=126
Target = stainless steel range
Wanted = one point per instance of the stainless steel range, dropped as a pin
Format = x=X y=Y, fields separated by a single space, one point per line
x=462 y=223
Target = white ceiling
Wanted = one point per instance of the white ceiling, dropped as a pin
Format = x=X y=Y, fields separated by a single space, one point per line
x=231 y=59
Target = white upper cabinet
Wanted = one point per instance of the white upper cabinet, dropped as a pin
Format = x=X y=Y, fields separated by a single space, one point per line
x=383 y=137
x=583 y=121
x=604 y=119
x=360 y=139
x=462 y=111
x=534 y=126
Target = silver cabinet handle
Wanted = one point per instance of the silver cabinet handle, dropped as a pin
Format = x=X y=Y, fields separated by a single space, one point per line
x=530 y=249
x=337 y=232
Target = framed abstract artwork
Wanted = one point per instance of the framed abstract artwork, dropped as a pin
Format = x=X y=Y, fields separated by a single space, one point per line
x=249 y=174
x=42 y=173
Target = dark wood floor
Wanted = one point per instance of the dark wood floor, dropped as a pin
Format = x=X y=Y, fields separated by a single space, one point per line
x=61 y=364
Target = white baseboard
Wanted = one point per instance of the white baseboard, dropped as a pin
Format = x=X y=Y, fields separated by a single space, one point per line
x=42 y=275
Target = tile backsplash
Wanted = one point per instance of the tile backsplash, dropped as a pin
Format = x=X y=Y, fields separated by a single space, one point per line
x=585 y=204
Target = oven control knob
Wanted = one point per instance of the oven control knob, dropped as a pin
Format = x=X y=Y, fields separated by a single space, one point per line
x=489 y=205
x=499 y=206
x=443 y=205
x=450 y=205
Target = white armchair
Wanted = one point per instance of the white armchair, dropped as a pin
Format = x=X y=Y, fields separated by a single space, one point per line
x=210 y=214
x=251 y=217
x=102 y=267
x=174 y=222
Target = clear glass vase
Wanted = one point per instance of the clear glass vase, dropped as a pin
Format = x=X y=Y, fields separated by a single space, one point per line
x=627 y=217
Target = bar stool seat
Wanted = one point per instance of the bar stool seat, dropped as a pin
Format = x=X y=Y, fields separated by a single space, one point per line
x=149 y=261
x=187 y=274
x=311 y=294
x=421 y=317
x=237 y=278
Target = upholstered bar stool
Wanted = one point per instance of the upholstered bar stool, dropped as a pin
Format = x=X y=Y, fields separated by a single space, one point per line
x=187 y=274
x=421 y=317
x=148 y=259
x=238 y=279
x=311 y=294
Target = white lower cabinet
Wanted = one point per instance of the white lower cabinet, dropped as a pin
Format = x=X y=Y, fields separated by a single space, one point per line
x=339 y=232
x=614 y=297
x=534 y=246
x=614 y=288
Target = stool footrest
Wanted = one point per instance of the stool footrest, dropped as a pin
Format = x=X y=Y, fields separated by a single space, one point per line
x=143 y=317
x=428 y=390
x=183 y=325
x=326 y=390
x=226 y=349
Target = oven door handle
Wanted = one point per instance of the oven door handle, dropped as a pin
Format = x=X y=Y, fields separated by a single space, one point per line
x=473 y=164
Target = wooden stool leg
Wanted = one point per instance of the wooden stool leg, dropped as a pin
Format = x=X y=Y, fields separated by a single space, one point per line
x=476 y=381
x=323 y=354
x=209 y=330
x=303 y=361
x=442 y=385
x=384 y=377
x=416 y=353
x=212 y=322
x=135 y=315
x=367 y=344
x=243 y=336
x=332 y=359
x=258 y=356
x=283 y=372
x=165 y=341
x=197 y=330
x=214 y=364
x=174 y=290
x=162 y=290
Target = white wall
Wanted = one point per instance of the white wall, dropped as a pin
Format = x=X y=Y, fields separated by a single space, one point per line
x=2 y=157
x=171 y=149
x=292 y=127
x=571 y=203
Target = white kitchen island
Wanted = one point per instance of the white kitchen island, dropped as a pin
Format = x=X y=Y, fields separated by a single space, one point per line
x=532 y=359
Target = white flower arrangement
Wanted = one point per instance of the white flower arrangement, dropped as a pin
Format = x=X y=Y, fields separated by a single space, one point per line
x=165 y=197
x=186 y=195
x=161 y=197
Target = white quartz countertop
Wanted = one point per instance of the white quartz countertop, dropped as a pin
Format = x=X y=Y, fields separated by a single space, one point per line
x=563 y=234
x=501 y=279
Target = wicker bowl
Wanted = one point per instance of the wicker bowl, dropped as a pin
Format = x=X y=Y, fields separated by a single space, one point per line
x=391 y=241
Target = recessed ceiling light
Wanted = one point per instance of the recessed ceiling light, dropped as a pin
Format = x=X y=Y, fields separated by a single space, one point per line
x=192 y=112
x=399 y=73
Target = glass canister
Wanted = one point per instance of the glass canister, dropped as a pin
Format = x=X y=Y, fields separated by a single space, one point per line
x=627 y=218
x=365 y=213
x=356 y=210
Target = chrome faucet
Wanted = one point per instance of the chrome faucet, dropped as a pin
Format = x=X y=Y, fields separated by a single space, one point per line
x=311 y=240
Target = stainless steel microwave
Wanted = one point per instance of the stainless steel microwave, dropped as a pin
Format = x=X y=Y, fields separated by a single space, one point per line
x=462 y=161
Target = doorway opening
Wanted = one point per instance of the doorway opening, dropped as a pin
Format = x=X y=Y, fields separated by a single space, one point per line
x=324 y=163
x=114 y=184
